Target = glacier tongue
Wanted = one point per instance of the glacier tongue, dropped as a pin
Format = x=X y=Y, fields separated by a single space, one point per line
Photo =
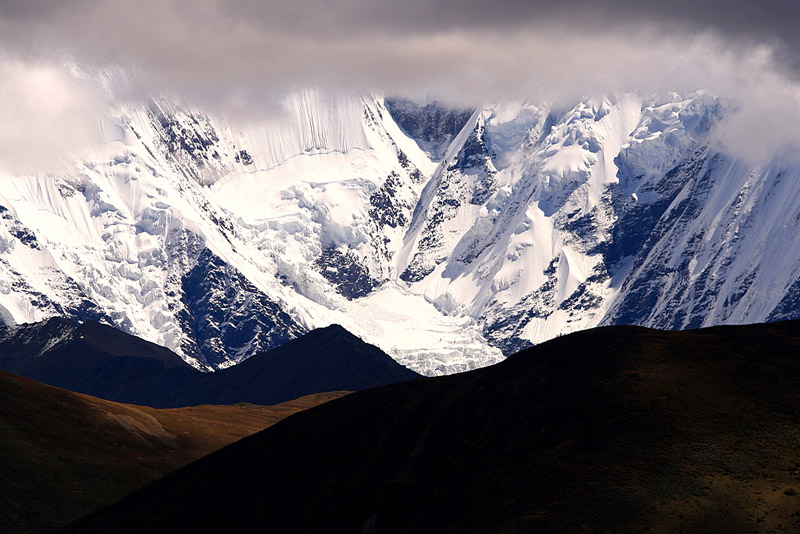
x=443 y=236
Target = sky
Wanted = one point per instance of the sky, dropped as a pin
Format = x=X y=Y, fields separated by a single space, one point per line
x=241 y=56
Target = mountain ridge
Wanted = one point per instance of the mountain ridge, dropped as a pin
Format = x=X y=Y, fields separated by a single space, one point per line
x=617 y=428
x=220 y=240
x=98 y=360
x=65 y=454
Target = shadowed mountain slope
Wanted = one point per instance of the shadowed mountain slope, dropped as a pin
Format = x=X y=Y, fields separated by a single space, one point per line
x=614 y=429
x=325 y=359
x=94 y=359
x=64 y=454
x=99 y=360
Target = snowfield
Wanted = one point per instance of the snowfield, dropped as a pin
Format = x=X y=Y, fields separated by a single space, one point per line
x=447 y=248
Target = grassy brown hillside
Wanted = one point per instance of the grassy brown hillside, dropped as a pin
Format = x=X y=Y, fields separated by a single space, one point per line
x=63 y=454
x=617 y=429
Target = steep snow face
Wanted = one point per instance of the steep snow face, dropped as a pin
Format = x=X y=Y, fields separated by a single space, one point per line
x=514 y=223
x=724 y=250
x=541 y=221
x=220 y=241
x=446 y=238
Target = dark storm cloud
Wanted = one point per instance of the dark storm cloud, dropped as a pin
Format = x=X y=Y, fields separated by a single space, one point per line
x=283 y=38
x=244 y=54
x=764 y=19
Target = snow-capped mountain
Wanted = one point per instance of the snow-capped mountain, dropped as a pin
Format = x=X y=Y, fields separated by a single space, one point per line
x=545 y=220
x=219 y=242
x=447 y=237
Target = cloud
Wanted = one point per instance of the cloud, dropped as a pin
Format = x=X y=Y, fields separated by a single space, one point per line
x=764 y=117
x=243 y=55
x=216 y=46
x=47 y=115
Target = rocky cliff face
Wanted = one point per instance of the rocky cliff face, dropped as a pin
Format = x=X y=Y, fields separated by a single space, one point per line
x=445 y=236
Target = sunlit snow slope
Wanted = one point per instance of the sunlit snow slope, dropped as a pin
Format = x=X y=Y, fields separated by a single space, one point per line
x=219 y=242
x=546 y=220
x=443 y=236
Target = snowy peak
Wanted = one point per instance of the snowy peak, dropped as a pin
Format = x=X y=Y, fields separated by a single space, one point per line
x=561 y=237
x=442 y=235
x=219 y=240
x=433 y=125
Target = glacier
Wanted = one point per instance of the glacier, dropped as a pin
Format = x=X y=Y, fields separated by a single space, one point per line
x=448 y=237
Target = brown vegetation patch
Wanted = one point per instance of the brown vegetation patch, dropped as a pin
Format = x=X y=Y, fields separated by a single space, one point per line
x=64 y=454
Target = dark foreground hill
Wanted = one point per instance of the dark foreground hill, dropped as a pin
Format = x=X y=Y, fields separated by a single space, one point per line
x=98 y=360
x=325 y=359
x=93 y=359
x=64 y=454
x=617 y=429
